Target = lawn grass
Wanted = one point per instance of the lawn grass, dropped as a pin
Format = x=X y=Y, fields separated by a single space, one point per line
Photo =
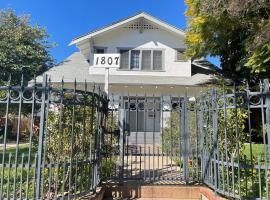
x=257 y=152
x=11 y=150
x=23 y=148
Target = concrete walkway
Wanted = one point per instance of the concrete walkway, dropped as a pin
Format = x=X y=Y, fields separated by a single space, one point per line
x=156 y=167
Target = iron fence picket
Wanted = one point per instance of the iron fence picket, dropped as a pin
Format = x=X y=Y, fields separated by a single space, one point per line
x=33 y=102
x=21 y=176
x=9 y=167
x=17 y=137
x=249 y=132
x=41 y=135
x=44 y=149
x=225 y=131
x=5 y=137
x=50 y=177
x=259 y=174
x=266 y=180
x=34 y=177
x=223 y=178
x=267 y=111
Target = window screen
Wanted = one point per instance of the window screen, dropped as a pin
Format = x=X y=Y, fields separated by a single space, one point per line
x=157 y=60
x=124 y=60
x=146 y=60
x=135 y=59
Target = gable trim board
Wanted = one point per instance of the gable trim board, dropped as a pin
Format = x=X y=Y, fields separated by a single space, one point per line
x=143 y=15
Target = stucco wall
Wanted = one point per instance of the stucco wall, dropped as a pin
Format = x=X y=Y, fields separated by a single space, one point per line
x=149 y=39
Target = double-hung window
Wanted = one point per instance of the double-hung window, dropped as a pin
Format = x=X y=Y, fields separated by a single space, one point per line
x=157 y=60
x=141 y=59
x=135 y=59
x=146 y=59
x=124 y=61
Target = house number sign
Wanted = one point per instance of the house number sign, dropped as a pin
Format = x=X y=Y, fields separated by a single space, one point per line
x=107 y=60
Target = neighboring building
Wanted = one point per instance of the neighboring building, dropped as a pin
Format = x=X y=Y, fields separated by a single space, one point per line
x=152 y=63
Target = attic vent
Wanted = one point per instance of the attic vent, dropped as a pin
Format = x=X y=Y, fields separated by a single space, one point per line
x=141 y=25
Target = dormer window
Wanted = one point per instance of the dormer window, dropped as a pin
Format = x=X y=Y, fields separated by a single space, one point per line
x=142 y=59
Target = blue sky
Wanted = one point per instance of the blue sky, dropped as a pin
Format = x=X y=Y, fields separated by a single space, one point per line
x=66 y=19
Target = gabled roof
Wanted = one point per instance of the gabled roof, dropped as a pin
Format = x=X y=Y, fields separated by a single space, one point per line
x=144 y=15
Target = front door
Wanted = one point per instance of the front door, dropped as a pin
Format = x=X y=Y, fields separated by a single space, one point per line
x=142 y=117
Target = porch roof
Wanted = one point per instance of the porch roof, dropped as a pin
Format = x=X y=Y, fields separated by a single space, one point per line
x=75 y=66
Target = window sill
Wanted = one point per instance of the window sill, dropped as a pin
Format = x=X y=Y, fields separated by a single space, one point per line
x=180 y=61
x=137 y=70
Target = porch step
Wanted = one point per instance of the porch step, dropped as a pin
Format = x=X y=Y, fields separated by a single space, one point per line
x=156 y=192
x=134 y=190
x=143 y=199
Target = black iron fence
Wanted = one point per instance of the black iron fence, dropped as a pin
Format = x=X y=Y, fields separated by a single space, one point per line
x=62 y=141
x=219 y=138
x=51 y=140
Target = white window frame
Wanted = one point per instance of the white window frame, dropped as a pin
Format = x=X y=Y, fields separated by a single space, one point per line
x=140 y=65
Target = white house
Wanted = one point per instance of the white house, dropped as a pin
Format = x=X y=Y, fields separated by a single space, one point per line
x=151 y=63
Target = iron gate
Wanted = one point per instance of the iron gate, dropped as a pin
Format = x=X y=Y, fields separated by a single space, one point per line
x=154 y=143
x=51 y=140
x=219 y=138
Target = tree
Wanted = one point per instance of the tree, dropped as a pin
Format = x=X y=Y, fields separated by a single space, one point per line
x=237 y=31
x=24 y=49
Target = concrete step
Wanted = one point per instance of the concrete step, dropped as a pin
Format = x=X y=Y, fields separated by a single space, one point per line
x=154 y=192
x=134 y=190
x=144 y=199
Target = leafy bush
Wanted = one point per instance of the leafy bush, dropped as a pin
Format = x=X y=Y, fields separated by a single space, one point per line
x=173 y=133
